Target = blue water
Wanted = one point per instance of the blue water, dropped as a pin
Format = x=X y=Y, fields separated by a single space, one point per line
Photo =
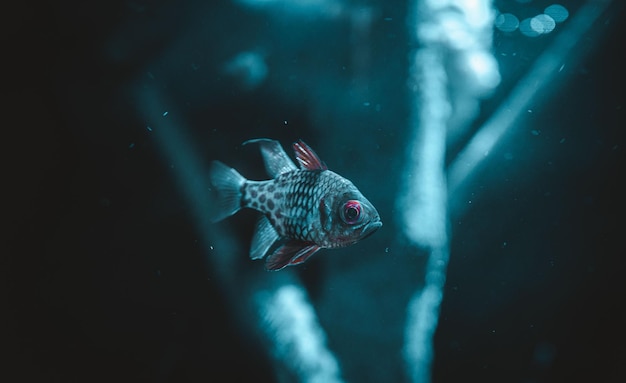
x=489 y=137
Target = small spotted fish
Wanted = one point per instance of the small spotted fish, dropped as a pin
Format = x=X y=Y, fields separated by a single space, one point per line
x=304 y=209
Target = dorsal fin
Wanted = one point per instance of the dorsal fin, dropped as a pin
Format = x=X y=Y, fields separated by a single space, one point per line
x=307 y=158
x=276 y=160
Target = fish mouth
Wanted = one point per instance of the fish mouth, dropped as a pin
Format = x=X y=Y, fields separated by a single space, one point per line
x=370 y=228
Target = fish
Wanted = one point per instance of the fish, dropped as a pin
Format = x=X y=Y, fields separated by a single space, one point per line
x=303 y=209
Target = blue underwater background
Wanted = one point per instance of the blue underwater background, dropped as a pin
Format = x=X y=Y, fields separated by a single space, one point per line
x=488 y=134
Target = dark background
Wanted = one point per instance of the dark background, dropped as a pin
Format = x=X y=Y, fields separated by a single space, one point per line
x=103 y=276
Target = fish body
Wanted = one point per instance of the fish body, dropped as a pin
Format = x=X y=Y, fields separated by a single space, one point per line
x=303 y=209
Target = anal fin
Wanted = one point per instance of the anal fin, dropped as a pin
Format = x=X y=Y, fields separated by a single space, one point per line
x=264 y=237
x=290 y=254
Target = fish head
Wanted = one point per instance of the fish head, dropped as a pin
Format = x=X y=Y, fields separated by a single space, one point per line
x=349 y=217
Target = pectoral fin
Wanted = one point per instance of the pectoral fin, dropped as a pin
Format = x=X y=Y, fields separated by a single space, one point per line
x=289 y=254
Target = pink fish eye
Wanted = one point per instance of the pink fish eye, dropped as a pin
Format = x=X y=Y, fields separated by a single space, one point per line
x=351 y=212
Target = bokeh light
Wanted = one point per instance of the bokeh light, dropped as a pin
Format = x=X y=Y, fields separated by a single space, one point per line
x=542 y=23
x=526 y=28
x=507 y=22
x=557 y=12
x=538 y=25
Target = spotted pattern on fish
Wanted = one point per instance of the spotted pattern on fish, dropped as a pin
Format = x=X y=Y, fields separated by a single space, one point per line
x=304 y=209
x=291 y=202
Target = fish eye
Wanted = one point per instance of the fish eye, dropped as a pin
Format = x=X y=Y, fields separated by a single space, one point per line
x=351 y=212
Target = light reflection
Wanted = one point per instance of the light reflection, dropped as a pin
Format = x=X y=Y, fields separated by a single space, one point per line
x=298 y=339
x=538 y=25
x=483 y=70
x=331 y=8
x=536 y=85
x=449 y=72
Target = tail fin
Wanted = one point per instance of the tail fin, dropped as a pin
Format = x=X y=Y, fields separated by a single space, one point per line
x=227 y=183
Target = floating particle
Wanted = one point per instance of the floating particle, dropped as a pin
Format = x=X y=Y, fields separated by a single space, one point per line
x=149 y=128
x=132 y=145
x=165 y=113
